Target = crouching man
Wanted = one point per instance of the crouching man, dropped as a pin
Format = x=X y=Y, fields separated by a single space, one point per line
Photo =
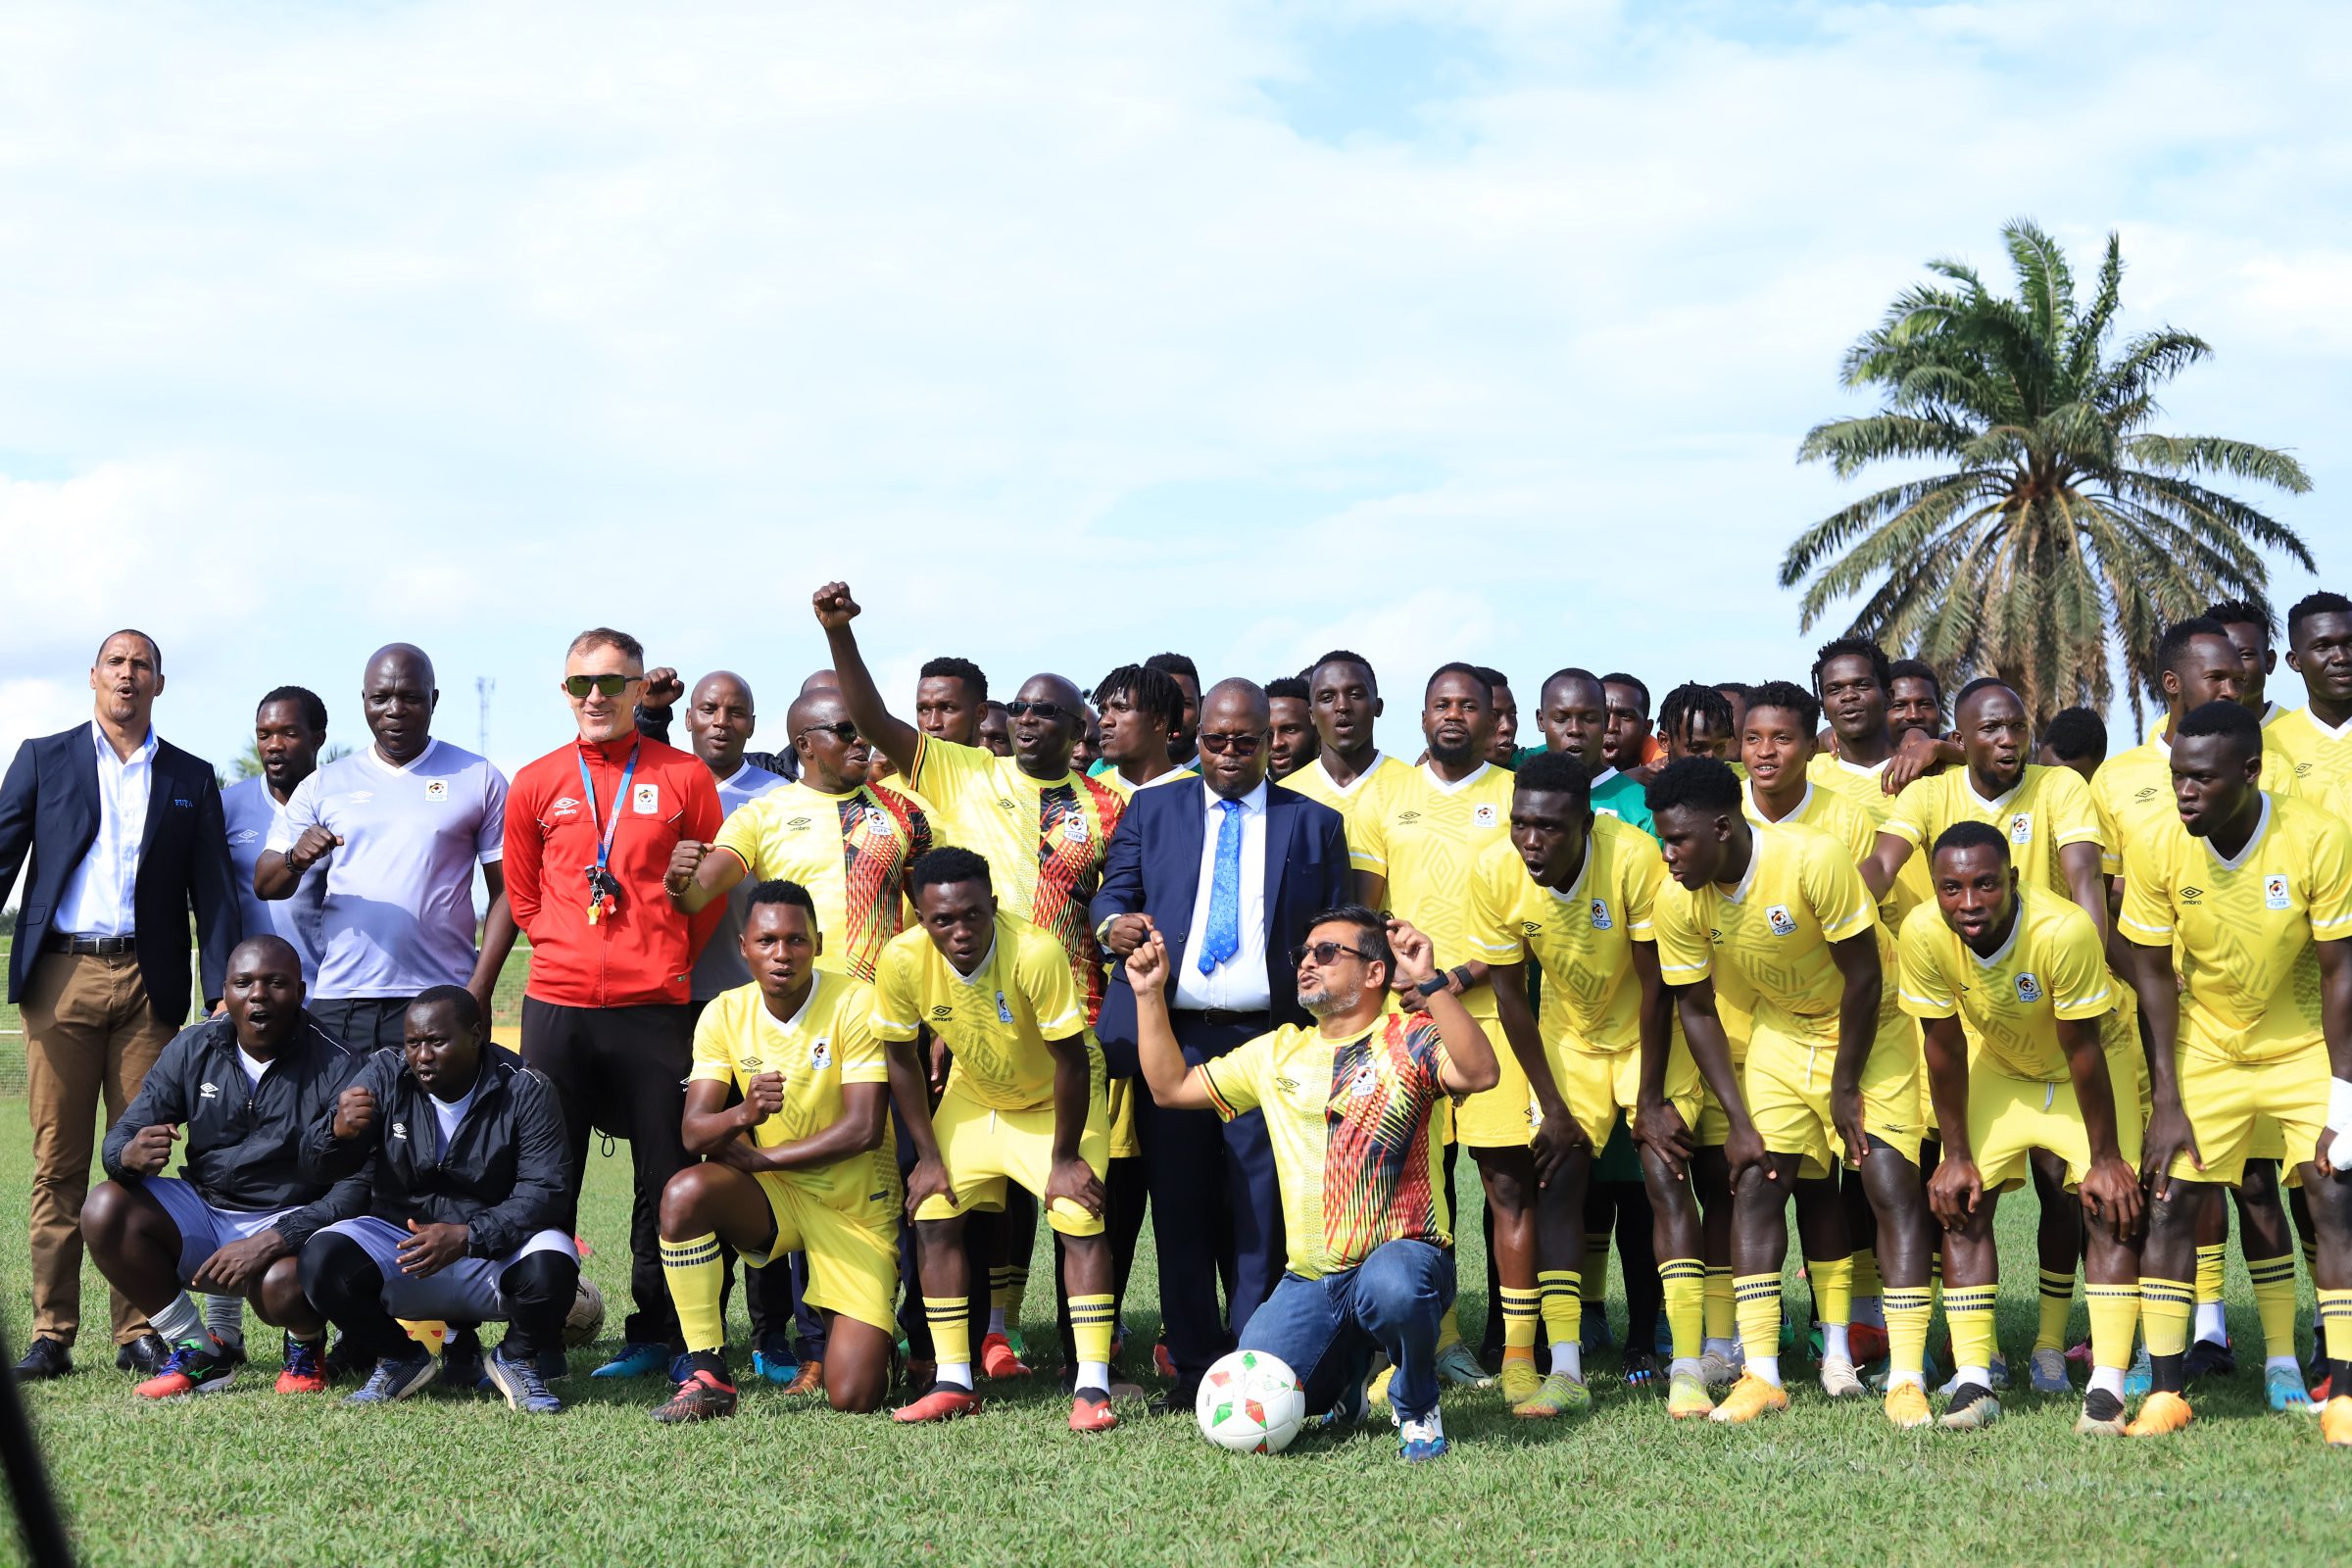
x=461 y=1148
x=240 y=1088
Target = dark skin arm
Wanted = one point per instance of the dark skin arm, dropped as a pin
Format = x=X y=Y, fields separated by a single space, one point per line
x=701 y=874
x=2110 y=1188
x=1073 y=1091
x=1703 y=1029
x=1879 y=868
x=1657 y=1126
x=1916 y=755
x=1560 y=1135
x=430 y=1248
x=498 y=938
x=2085 y=883
x=897 y=738
x=910 y=1099
x=1857 y=960
x=233 y=1267
x=1956 y=1188
x=711 y=1124
x=2169 y=1134
x=2336 y=1024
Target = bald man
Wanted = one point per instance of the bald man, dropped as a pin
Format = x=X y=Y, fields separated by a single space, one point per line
x=662 y=691
x=400 y=827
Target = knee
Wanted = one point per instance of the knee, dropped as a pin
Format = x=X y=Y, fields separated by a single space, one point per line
x=1401 y=1273
x=279 y=1292
x=860 y=1395
x=336 y=1272
x=106 y=1214
x=540 y=1283
x=684 y=1198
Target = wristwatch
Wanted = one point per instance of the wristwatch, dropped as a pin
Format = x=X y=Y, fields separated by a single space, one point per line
x=1433 y=985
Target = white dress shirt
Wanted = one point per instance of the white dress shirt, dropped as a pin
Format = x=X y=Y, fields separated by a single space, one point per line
x=1239 y=984
x=98 y=900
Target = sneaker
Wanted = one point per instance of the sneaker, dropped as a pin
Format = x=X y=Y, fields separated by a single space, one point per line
x=1419 y=1442
x=1687 y=1397
x=1884 y=1378
x=1838 y=1380
x=1090 y=1411
x=194 y=1366
x=1972 y=1409
x=2209 y=1358
x=810 y=1378
x=2159 y=1413
x=2102 y=1416
x=945 y=1402
x=1867 y=1342
x=520 y=1381
x=703 y=1397
x=917 y=1376
x=1751 y=1398
x=343 y=1361
x=2335 y=1422
x=1999 y=1370
x=2141 y=1376
x=461 y=1366
x=1717 y=1370
x=775 y=1369
x=1593 y=1329
x=1520 y=1379
x=1161 y=1361
x=999 y=1360
x=396 y=1377
x=306 y=1368
x=1907 y=1405
x=1556 y=1394
x=2284 y=1387
x=2080 y=1353
x=636 y=1359
x=232 y=1350
x=2047 y=1373
x=1353 y=1404
x=1640 y=1368
x=1457 y=1364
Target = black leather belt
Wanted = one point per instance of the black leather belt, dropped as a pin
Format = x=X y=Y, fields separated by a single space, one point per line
x=95 y=947
x=1225 y=1017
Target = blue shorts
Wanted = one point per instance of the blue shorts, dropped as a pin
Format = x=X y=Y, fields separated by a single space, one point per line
x=467 y=1291
x=203 y=1229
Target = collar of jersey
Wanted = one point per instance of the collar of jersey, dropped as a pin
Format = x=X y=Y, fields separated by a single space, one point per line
x=1756 y=813
x=1872 y=771
x=432 y=744
x=1357 y=782
x=2233 y=863
x=816 y=983
x=2017 y=924
x=1458 y=785
x=1748 y=879
x=1574 y=892
x=2340 y=732
x=2004 y=798
x=979 y=969
x=1611 y=773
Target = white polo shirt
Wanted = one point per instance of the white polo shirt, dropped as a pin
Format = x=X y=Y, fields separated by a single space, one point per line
x=249 y=811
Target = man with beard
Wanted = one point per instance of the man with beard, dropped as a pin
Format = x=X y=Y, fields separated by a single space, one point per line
x=1293 y=713
x=1349 y=769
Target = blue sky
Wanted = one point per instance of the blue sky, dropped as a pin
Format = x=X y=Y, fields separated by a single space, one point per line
x=1065 y=334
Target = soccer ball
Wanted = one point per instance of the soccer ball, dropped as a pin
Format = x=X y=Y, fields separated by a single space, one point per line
x=1250 y=1403
x=586 y=1319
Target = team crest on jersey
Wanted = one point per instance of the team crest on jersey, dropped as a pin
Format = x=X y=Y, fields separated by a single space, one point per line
x=2273 y=893
x=1783 y=923
x=1482 y=814
x=436 y=789
x=821 y=1055
x=1074 y=829
x=2020 y=828
x=1003 y=1009
x=1601 y=915
x=644 y=799
x=2029 y=988
x=1362 y=1084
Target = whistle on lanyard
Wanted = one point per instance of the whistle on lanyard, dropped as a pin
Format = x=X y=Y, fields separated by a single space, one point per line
x=604 y=894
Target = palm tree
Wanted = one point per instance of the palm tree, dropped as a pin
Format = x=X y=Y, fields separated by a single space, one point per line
x=2061 y=518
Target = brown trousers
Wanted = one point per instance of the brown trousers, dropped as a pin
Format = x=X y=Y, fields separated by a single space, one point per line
x=88 y=1032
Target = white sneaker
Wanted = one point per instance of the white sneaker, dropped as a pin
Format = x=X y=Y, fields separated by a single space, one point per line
x=1839 y=1379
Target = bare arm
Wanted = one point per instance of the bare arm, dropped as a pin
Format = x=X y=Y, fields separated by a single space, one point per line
x=835 y=610
x=1470 y=1065
x=498 y=940
x=1879 y=867
x=1857 y=960
x=2078 y=863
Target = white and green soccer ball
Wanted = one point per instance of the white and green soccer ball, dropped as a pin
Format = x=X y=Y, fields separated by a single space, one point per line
x=1251 y=1403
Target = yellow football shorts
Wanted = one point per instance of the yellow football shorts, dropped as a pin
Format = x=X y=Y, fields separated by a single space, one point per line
x=1118 y=1098
x=2010 y=1117
x=1598 y=1084
x=1787 y=1086
x=986 y=1147
x=853 y=1253
x=2229 y=1101
x=1504 y=1116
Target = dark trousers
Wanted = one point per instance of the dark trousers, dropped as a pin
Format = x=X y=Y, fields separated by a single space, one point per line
x=1216 y=1207
x=622 y=1071
x=347 y=1287
x=366 y=1024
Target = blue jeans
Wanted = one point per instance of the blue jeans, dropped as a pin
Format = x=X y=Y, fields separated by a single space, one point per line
x=1327 y=1329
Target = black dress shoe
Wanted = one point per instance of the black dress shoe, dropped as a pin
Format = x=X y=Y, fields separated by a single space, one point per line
x=45 y=1358
x=1178 y=1400
x=144 y=1356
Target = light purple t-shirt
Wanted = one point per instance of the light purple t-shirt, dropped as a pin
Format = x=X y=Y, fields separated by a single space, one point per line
x=249 y=811
x=720 y=968
x=399 y=913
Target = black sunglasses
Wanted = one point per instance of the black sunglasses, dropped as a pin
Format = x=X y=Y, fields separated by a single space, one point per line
x=1324 y=953
x=1049 y=711
x=1238 y=745
x=845 y=729
x=607 y=685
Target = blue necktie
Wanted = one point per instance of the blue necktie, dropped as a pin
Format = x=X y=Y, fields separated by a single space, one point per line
x=1223 y=939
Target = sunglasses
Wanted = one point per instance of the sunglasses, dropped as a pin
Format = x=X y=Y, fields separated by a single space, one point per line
x=1048 y=712
x=1238 y=745
x=846 y=730
x=604 y=685
x=1326 y=954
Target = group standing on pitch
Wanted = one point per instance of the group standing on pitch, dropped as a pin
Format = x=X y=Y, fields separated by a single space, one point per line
x=867 y=1006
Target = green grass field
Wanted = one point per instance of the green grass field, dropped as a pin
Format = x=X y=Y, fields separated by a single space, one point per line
x=248 y=1477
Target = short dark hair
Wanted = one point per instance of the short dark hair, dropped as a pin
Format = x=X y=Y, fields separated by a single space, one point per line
x=2075 y=734
x=1559 y=772
x=1371 y=930
x=469 y=1010
x=2172 y=646
x=1495 y=678
x=1174 y=664
x=1342 y=655
x=1915 y=670
x=2234 y=720
x=1149 y=691
x=948 y=668
x=949 y=863
x=1980 y=685
x=1456 y=667
x=2325 y=602
x=313 y=711
x=1705 y=783
x=1972 y=835
x=1574 y=672
x=1853 y=647
x=1738 y=688
x=1287 y=686
x=2245 y=612
x=1788 y=695
x=777 y=890
x=155 y=648
x=1618 y=677
x=1689 y=701
x=605 y=637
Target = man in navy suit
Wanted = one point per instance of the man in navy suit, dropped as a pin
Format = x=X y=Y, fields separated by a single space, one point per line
x=125 y=836
x=1229 y=869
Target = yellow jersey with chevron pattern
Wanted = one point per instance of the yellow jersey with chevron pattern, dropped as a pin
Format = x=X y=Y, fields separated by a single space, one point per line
x=1859 y=788
x=2241 y=930
x=820 y=1050
x=1353 y=801
x=2303 y=758
x=2050 y=966
x=2133 y=792
x=2043 y=812
x=1582 y=935
x=1424 y=836
x=995 y=1020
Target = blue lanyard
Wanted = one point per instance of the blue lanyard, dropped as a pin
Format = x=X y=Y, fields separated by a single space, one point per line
x=606 y=828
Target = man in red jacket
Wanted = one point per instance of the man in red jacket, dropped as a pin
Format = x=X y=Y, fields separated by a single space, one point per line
x=590 y=827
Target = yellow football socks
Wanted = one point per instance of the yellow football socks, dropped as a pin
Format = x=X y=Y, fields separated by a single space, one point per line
x=1908 y=1307
x=1968 y=1310
x=1757 y=1306
x=2057 y=1304
x=696 y=1272
x=1559 y=1298
x=1597 y=1267
x=950 y=1329
x=1090 y=1324
x=2114 y=1318
x=1685 y=1281
x=2274 y=1299
x=1449 y=1331
x=1721 y=1322
x=1007 y=1286
x=2335 y=1319
x=1521 y=1310
x=2166 y=1309
x=1832 y=1288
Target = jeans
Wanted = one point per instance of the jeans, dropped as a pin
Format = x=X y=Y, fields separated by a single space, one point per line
x=1327 y=1329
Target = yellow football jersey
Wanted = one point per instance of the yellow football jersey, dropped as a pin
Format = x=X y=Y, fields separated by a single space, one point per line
x=2133 y=792
x=2045 y=812
x=2050 y=968
x=2305 y=759
x=850 y=851
x=2241 y=930
x=1859 y=788
x=1424 y=836
x=1770 y=936
x=1580 y=934
x=1353 y=801
x=820 y=1049
x=1114 y=779
x=996 y=1020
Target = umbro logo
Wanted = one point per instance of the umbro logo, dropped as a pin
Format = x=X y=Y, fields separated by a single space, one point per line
x=208 y=1092
x=1287 y=1084
x=2192 y=895
x=2142 y=797
x=797 y=823
x=1531 y=928
x=941 y=1013
x=1005 y=804
x=1406 y=818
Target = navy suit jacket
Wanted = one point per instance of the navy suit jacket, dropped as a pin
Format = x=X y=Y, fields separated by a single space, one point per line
x=1154 y=868
x=49 y=812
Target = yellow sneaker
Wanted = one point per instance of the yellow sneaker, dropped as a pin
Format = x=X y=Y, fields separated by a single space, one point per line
x=2336 y=1421
x=1751 y=1398
x=1520 y=1381
x=1555 y=1396
x=2159 y=1413
x=1687 y=1397
x=1907 y=1405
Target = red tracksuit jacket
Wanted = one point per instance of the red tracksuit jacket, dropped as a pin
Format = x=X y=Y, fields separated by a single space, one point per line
x=645 y=950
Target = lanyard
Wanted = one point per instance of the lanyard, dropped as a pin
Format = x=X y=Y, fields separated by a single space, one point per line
x=606 y=828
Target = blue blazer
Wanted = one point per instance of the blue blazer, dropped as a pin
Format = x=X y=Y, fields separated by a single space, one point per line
x=1154 y=868
x=49 y=811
